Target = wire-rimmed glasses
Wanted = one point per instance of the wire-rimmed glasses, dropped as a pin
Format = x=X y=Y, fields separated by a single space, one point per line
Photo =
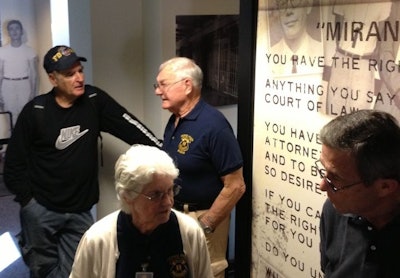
x=158 y=195
x=322 y=172
x=165 y=86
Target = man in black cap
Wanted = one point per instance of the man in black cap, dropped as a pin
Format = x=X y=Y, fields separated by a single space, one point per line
x=52 y=161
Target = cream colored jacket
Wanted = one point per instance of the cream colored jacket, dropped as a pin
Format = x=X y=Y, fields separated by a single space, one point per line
x=97 y=253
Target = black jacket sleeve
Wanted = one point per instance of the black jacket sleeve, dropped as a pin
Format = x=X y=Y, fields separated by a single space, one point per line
x=17 y=155
x=116 y=120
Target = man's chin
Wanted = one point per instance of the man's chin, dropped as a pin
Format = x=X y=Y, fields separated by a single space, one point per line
x=79 y=92
x=165 y=105
x=339 y=209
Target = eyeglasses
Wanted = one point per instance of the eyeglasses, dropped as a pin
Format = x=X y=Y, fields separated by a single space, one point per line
x=165 y=86
x=322 y=171
x=158 y=196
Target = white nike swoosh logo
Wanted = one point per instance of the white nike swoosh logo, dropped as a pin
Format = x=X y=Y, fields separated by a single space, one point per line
x=61 y=145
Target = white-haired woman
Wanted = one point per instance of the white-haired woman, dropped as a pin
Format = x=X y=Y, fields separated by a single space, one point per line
x=146 y=238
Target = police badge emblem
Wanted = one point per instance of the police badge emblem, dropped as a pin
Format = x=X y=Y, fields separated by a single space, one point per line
x=183 y=146
x=178 y=266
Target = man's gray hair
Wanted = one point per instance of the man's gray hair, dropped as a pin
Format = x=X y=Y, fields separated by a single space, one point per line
x=185 y=68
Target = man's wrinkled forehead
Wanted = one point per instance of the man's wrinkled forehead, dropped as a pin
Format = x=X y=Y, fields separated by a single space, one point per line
x=166 y=73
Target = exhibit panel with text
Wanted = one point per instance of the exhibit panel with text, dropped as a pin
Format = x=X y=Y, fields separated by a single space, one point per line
x=314 y=61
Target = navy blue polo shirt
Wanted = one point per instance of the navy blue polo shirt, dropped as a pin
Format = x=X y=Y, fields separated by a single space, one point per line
x=352 y=247
x=204 y=148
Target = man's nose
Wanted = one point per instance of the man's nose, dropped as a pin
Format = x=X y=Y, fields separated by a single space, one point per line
x=323 y=185
x=157 y=90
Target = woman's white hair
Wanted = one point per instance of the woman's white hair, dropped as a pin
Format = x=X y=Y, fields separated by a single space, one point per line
x=135 y=169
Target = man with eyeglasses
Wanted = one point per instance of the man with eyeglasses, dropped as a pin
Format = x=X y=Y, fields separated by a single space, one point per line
x=360 y=170
x=146 y=238
x=202 y=143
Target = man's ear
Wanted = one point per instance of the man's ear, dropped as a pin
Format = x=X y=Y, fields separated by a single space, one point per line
x=53 y=79
x=388 y=186
x=189 y=86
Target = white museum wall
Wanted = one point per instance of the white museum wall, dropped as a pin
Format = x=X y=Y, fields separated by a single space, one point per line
x=118 y=69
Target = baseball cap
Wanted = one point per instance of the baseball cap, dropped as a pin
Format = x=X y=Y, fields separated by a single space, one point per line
x=60 y=57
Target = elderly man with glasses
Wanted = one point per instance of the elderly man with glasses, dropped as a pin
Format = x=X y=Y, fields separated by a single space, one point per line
x=201 y=141
x=360 y=222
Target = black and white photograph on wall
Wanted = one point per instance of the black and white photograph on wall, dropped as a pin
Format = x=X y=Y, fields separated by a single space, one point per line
x=212 y=42
x=293 y=36
x=19 y=83
x=19 y=62
x=18 y=68
x=359 y=34
x=389 y=55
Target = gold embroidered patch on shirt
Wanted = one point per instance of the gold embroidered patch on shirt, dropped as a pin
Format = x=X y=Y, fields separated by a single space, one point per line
x=183 y=146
